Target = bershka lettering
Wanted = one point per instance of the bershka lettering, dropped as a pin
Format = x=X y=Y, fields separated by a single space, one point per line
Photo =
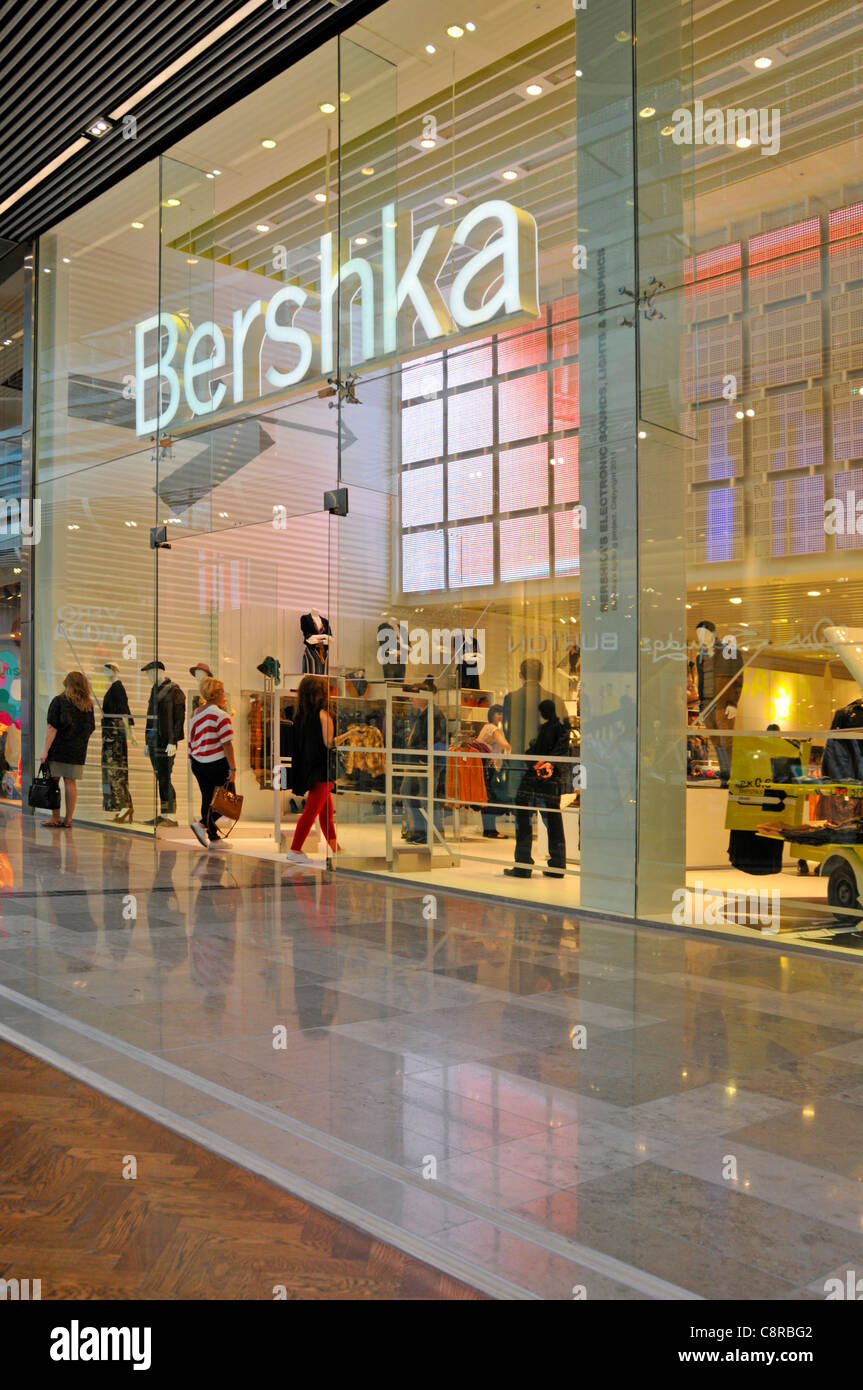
x=183 y=372
x=76 y=1343
x=718 y=126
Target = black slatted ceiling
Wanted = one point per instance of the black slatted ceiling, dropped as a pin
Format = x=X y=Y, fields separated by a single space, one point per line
x=64 y=64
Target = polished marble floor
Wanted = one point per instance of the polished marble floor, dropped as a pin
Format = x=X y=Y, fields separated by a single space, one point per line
x=542 y=1105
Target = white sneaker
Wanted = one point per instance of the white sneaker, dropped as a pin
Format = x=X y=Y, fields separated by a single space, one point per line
x=217 y=845
x=296 y=856
x=200 y=833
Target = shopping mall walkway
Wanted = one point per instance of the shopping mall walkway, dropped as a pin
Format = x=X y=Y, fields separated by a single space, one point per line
x=536 y=1104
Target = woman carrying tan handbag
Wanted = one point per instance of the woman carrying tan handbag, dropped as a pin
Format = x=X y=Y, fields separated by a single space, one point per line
x=211 y=750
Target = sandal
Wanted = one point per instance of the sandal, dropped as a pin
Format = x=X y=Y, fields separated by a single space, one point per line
x=54 y=824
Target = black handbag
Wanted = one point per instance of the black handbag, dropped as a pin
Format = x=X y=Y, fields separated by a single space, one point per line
x=43 y=793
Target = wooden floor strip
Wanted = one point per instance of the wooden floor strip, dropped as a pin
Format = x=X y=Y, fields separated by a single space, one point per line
x=190 y=1225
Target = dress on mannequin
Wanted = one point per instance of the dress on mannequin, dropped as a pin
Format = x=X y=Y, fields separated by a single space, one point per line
x=316 y=632
x=115 y=749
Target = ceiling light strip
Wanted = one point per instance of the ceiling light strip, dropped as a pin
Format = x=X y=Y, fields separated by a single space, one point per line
x=137 y=97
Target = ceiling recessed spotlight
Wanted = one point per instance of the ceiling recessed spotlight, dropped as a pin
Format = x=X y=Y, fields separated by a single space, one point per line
x=320 y=197
x=450 y=201
x=217 y=172
x=621 y=36
x=455 y=31
x=750 y=412
x=739 y=414
x=361 y=240
x=209 y=176
x=430 y=48
x=813 y=593
x=47 y=270
x=172 y=202
x=763 y=62
x=667 y=130
x=65 y=260
x=427 y=143
x=7 y=342
x=191 y=260
x=735 y=600
x=262 y=226
x=327 y=108
x=647 y=111
x=743 y=143
x=96 y=129
x=72 y=526
x=368 y=170
x=470 y=26
x=130 y=523
x=269 y=144
x=579 y=73
x=136 y=225
x=344 y=96
x=224 y=514
x=534 y=89
x=509 y=175
x=642 y=434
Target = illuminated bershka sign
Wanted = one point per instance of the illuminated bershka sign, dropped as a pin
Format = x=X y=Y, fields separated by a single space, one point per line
x=184 y=372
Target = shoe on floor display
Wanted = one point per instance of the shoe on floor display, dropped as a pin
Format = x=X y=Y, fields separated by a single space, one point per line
x=200 y=833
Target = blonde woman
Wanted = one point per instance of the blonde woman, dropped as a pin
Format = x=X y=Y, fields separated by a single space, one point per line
x=211 y=751
x=69 y=725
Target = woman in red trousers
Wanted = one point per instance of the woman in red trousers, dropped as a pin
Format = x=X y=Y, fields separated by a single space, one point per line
x=313 y=738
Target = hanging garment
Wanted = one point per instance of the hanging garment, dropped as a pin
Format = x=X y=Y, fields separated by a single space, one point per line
x=361 y=737
x=115 y=749
x=465 y=776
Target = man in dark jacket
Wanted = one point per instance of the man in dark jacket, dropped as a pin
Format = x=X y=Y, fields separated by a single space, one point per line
x=541 y=788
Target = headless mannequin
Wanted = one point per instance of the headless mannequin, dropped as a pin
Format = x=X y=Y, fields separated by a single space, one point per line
x=116 y=733
x=716 y=670
x=316 y=638
x=114 y=675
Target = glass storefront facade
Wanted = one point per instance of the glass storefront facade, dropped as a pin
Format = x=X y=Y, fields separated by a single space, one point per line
x=567 y=306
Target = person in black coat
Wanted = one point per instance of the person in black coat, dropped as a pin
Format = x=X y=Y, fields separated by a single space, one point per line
x=540 y=790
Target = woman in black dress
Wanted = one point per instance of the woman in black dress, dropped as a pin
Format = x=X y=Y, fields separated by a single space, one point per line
x=116 y=717
x=70 y=723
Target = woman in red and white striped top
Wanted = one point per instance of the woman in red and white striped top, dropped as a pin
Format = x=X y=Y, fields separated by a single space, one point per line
x=211 y=750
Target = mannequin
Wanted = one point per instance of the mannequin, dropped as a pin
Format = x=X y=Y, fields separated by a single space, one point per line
x=388 y=642
x=166 y=717
x=201 y=672
x=719 y=673
x=316 y=632
x=116 y=726
x=468 y=666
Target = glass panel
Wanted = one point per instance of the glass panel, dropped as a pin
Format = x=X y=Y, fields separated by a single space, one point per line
x=94 y=482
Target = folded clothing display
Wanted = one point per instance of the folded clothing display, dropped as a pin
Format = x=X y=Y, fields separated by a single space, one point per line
x=848 y=833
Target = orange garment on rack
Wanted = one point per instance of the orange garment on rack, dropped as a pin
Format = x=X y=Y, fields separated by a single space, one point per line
x=465 y=776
